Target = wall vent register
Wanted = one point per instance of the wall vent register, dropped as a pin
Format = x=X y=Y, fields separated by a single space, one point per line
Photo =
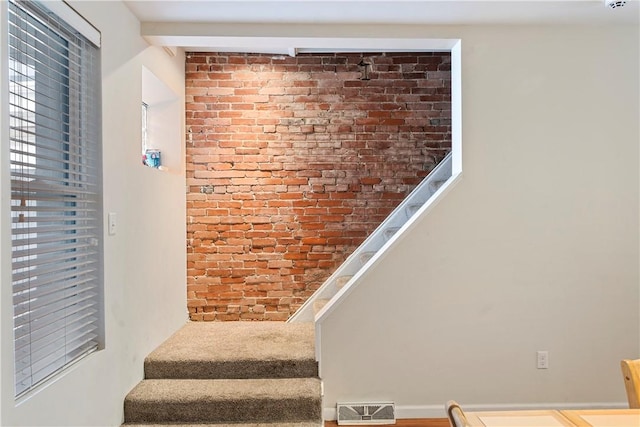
x=366 y=413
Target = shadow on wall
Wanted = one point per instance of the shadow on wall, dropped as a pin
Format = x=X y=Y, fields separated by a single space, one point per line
x=293 y=161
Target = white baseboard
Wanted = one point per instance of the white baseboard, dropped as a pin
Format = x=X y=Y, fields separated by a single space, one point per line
x=437 y=411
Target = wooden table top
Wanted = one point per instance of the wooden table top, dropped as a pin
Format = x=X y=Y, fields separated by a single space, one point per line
x=542 y=418
x=603 y=417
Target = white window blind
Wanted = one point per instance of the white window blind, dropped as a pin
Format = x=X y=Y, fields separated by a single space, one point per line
x=54 y=107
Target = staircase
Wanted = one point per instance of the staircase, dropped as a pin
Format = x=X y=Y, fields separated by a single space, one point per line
x=259 y=374
x=349 y=272
x=230 y=373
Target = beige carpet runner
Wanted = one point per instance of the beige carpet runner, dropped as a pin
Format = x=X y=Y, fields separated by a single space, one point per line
x=230 y=374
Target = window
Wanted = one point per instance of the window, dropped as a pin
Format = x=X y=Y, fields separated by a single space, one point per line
x=145 y=128
x=54 y=108
x=161 y=124
x=150 y=156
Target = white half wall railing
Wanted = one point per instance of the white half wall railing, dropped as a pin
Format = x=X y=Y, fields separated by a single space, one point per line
x=347 y=274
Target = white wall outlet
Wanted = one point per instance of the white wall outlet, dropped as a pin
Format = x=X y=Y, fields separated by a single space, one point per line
x=113 y=223
x=542 y=359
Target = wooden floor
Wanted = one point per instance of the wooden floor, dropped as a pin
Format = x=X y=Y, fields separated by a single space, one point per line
x=423 y=422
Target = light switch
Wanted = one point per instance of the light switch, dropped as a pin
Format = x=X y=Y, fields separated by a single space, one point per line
x=113 y=223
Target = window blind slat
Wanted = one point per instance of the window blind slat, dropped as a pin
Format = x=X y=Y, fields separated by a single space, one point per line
x=18 y=266
x=49 y=249
x=36 y=45
x=44 y=131
x=38 y=339
x=20 y=152
x=48 y=303
x=26 y=328
x=54 y=151
x=53 y=229
x=26 y=335
x=35 y=34
x=49 y=292
x=51 y=283
x=44 y=362
x=50 y=269
x=53 y=198
x=43 y=349
x=27 y=134
x=69 y=210
x=72 y=303
x=47 y=219
x=53 y=238
x=28 y=175
x=47 y=165
x=46 y=188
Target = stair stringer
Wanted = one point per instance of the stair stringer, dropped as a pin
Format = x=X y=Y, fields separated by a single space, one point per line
x=414 y=205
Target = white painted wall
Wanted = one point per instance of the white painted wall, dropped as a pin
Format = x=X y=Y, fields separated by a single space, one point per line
x=145 y=262
x=536 y=248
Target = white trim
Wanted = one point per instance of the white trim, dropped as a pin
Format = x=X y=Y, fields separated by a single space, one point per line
x=73 y=18
x=6 y=293
x=329 y=414
x=171 y=51
x=339 y=297
x=318 y=347
x=281 y=39
x=456 y=108
x=437 y=411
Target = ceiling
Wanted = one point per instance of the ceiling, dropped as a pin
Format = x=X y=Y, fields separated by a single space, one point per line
x=194 y=23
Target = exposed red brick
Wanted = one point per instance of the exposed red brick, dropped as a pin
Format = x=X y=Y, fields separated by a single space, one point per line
x=293 y=162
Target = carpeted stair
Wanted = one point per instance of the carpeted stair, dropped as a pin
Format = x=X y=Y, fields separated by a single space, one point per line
x=261 y=374
x=280 y=424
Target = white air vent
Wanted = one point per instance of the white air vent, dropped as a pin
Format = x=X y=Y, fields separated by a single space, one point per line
x=351 y=414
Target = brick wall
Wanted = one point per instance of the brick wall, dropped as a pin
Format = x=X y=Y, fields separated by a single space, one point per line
x=292 y=162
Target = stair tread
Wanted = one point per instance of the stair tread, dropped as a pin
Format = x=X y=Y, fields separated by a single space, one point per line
x=214 y=341
x=185 y=390
x=389 y=232
x=288 y=400
x=366 y=256
x=413 y=208
x=343 y=280
x=236 y=350
x=319 y=304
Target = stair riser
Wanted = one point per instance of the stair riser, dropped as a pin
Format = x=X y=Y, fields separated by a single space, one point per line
x=231 y=370
x=296 y=424
x=230 y=374
x=246 y=411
